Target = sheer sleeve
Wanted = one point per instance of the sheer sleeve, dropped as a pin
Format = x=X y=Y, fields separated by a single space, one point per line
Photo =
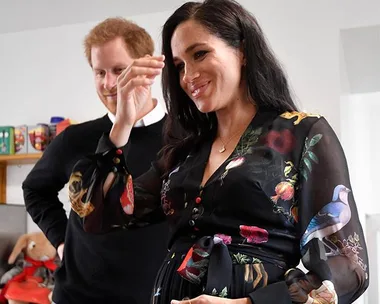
x=126 y=203
x=332 y=244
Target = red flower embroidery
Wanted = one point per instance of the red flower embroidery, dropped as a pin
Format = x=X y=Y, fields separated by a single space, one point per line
x=280 y=141
x=225 y=238
x=127 y=199
x=254 y=234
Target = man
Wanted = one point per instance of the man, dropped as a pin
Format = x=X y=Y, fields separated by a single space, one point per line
x=120 y=266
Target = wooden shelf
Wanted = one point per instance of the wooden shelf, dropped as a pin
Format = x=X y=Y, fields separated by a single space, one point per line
x=16 y=159
x=20 y=159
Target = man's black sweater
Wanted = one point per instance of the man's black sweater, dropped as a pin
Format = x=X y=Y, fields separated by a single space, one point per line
x=117 y=267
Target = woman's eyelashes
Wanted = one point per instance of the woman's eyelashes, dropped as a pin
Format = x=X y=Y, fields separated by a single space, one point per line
x=180 y=66
x=199 y=55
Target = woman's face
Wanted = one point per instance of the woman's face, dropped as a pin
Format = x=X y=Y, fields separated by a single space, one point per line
x=209 y=69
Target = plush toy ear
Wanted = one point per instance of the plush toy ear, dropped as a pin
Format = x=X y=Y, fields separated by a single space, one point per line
x=21 y=243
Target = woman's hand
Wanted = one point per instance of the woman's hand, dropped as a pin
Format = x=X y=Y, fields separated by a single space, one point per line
x=205 y=299
x=133 y=92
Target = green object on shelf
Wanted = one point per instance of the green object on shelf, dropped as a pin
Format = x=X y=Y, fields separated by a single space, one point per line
x=7 y=143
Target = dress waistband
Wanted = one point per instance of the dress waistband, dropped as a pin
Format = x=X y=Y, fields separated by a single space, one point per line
x=209 y=258
x=183 y=244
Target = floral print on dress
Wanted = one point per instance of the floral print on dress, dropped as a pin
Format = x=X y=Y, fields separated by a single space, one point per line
x=235 y=163
x=308 y=156
x=226 y=239
x=243 y=259
x=232 y=164
x=299 y=115
x=250 y=137
x=281 y=141
x=76 y=194
x=127 y=199
x=222 y=294
x=253 y=234
x=351 y=248
x=165 y=202
x=284 y=191
x=296 y=178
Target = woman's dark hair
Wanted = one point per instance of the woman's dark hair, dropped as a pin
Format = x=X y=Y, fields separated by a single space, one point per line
x=266 y=82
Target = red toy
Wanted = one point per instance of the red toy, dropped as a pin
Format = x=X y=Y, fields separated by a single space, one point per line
x=33 y=282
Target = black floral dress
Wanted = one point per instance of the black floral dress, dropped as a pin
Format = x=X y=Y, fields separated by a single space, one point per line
x=282 y=196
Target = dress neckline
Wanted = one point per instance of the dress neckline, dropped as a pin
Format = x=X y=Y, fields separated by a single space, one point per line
x=257 y=120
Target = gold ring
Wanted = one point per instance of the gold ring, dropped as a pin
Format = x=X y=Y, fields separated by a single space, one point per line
x=288 y=271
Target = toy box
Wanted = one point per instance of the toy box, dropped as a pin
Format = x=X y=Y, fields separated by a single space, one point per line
x=7 y=140
x=21 y=139
x=38 y=138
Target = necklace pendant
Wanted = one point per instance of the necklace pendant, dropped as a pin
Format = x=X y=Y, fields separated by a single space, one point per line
x=222 y=149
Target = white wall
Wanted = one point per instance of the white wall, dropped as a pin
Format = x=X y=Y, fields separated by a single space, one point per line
x=360 y=139
x=345 y=87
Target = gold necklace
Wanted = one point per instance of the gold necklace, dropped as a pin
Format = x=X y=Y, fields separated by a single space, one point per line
x=223 y=148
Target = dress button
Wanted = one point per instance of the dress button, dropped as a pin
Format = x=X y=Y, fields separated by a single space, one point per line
x=198 y=200
x=195 y=211
x=114 y=169
x=192 y=223
x=116 y=160
x=119 y=152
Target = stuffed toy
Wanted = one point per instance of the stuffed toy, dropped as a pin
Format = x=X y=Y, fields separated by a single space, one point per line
x=31 y=279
